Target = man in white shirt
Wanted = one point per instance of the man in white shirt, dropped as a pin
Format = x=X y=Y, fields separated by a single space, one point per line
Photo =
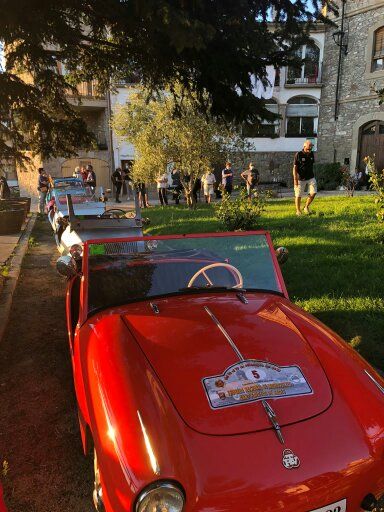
x=208 y=181
x=162 y=182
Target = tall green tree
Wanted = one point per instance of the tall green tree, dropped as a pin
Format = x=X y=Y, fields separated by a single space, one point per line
x=211 y=47
x=190 y=142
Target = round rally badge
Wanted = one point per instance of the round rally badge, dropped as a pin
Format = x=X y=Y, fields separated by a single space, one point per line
x=290 y=460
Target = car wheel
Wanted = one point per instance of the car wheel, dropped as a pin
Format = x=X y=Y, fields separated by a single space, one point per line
x=97 y=489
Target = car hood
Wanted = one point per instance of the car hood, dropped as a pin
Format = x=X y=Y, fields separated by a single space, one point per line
x=201 y=346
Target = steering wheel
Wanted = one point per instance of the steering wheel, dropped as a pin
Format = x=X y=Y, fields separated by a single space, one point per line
x=233 y=270
x=113 y=213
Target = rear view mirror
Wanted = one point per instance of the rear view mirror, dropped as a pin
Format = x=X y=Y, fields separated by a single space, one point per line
x=66 y=266
x=281 y=255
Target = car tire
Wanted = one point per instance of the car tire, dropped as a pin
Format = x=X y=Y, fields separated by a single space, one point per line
x=97 y=488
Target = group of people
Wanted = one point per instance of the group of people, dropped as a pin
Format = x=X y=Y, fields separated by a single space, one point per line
x=121 y=179
x=210 y=183
x=87 y=174
x=44 y=182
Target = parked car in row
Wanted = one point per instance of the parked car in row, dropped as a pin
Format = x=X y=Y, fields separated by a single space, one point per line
x=201 y=387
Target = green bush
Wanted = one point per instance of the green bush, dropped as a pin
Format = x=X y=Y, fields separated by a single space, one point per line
x=240 y=213
x=328 y=176
x=376 y=180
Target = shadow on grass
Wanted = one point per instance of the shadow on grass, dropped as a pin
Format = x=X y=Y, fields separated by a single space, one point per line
x=369 y=327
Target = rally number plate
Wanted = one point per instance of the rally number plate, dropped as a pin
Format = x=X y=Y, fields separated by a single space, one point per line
x=339 y=506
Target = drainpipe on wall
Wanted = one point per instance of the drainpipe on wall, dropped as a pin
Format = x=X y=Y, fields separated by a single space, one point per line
x=342 y=49
x=111 y=149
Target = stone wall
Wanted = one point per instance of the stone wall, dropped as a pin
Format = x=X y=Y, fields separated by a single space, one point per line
x=271 y=165
x=28 y=174
x=97 y=123
x=338 y=139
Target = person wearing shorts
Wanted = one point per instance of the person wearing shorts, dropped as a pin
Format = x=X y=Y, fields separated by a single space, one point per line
x=208 y=181
x=303 y=177
x=251 y=178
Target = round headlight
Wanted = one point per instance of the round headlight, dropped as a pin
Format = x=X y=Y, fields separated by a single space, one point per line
x=162 y=497
x=76 y=251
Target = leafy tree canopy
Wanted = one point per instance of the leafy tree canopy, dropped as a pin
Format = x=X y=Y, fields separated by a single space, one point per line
x=190 y=142
x=210 y=47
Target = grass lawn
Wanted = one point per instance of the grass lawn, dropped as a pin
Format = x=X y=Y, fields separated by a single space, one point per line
x=335 y=268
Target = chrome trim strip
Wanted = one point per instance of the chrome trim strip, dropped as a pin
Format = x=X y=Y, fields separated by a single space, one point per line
x=242 y=298
x=379 y=386
x=272 y=417
x=227 y=336
x=155 y=308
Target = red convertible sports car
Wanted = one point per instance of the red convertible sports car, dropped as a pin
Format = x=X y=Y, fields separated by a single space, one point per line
x=202 y=388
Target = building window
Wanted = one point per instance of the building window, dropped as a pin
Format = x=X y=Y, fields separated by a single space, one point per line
x=309 y=71
x=378 y=50
x=302 y=117
x=265 y=128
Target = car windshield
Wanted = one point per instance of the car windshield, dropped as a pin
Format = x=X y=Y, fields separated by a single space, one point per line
x=68 y=184
x=79 y=195
x=77 y=198
x=123 y=272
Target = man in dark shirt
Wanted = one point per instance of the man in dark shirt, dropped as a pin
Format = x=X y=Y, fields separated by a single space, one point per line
x=303 y=177
x=117 y=180
x=227 y=178
x=42 y=187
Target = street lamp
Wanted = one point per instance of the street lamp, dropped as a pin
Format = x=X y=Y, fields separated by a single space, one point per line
x=338 y=38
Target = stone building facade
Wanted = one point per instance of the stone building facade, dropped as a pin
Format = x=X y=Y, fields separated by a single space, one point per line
x=95 y=111
x=296 y=98
x=351 y=121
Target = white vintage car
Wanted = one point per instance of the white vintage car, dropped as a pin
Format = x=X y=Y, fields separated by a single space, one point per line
x=84 y=201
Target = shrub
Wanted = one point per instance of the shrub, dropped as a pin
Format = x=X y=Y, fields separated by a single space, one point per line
x=348 y=181
x=328 y=176
x=241 y=213
x=376 y=179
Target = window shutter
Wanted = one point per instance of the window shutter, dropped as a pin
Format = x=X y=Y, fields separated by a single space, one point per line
x=379 y=42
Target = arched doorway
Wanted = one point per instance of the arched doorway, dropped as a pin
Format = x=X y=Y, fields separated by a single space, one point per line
x=101 y=168
x=372 y=143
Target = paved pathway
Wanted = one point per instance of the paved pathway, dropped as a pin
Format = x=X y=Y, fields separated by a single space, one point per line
x=7 y=246
x=39 y=435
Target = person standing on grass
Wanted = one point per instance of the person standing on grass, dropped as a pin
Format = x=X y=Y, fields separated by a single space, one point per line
x=303 y=177
x=227 y=178
x=127 y=183
x=42 y=187
x=251 y=177
x=143 y=194
x=177 y=187
x=162 y=182
x=208 y=181
x=117 y=180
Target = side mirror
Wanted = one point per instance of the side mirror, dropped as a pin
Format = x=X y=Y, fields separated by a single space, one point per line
x=281 y=255
x=66 y=266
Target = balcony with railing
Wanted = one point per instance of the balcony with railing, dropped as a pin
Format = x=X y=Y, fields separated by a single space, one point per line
x=306 y=76
x=89 y=96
